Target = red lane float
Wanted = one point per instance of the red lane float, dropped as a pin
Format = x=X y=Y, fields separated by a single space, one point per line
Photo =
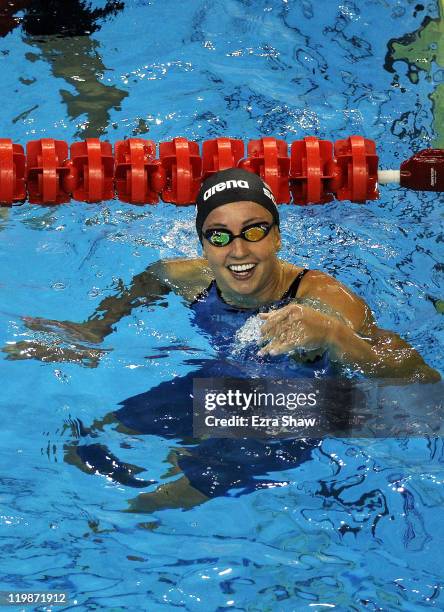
x=356 y=170
x=47 y=171
x=139 y=176
x=315 y=171
x=91 y=177
x=183 y=170
x=311 y=171
x=12 y=172
x=268 y=157
x=220 y=154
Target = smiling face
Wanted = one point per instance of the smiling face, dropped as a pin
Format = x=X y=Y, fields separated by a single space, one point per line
x=247 y=273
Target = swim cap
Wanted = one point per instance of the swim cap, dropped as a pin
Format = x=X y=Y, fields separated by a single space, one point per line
x=233 y=185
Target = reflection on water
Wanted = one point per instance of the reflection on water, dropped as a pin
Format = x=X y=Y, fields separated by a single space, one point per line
x=67 y=18
x=3 y=217
x=78 y=62
x=49 y=17
x=61 y=34
x=423 y=50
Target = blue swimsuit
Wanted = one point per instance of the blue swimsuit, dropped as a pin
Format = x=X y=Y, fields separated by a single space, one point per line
x=221 y=322
x=214 y=465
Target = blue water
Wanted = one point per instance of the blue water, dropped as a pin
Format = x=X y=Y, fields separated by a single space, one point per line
x=359 y=526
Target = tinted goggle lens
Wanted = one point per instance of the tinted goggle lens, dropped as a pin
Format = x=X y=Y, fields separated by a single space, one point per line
x=253 y=233
x=218 y=238
x=256 y=233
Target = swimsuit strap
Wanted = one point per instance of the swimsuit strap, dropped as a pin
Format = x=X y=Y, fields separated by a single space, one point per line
x=293 y=288
x=290 y=293
x=204 y=293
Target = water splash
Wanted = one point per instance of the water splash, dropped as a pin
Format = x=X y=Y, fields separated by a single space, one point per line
x=248 y=335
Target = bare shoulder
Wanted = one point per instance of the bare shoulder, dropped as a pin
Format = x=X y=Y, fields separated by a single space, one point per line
x=322 y=287
x=187 y=277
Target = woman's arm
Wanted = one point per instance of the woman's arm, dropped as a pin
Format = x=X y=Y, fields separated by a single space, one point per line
x=338 y=321
x=61 y=339
x=378 y=352
x=184 y=277
x=146 y=288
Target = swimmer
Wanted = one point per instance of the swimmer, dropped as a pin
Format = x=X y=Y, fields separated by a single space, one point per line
x=306 y=313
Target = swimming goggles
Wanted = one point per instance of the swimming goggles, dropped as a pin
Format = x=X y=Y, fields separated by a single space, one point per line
x=251 y=233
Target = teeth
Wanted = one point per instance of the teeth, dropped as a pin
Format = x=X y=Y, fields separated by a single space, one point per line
x=241 y=268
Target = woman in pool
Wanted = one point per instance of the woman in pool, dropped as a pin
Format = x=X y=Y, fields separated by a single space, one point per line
x=306 y=313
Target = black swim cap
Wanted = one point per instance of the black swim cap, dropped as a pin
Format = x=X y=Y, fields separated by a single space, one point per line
x=233 y=185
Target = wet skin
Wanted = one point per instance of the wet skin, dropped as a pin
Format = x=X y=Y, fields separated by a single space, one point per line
x=264 y=283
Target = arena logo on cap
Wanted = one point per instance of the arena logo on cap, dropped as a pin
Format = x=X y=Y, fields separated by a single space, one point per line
x=231 y=184
x=269 y=194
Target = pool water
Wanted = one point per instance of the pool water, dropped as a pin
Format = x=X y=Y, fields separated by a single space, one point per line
x=358 y=524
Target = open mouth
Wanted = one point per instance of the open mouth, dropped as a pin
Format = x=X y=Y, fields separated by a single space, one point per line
x=242 y=271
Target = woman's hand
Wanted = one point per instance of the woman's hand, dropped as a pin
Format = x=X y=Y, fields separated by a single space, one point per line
x=54 y=352
x=57 y=341
x=85 y=332
x=378 y=353
x=297 y=327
